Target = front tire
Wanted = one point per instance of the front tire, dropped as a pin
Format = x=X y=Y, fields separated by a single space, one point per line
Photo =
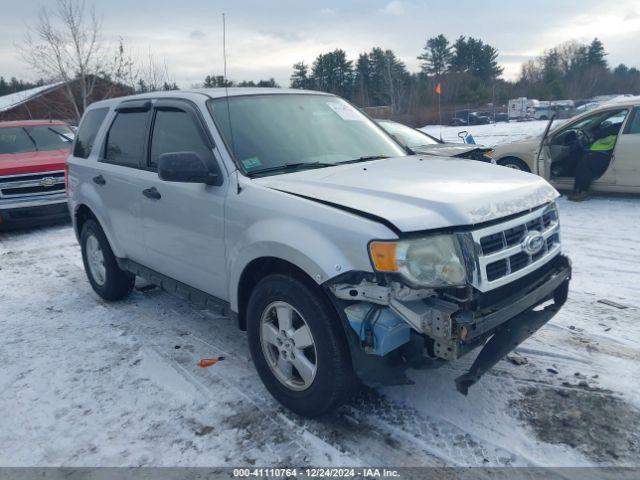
x=298 y=346
x=105 y=277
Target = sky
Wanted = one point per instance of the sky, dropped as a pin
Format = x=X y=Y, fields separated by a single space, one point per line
x=265 y=38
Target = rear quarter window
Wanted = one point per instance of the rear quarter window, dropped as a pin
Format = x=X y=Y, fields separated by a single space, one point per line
x=87 y=132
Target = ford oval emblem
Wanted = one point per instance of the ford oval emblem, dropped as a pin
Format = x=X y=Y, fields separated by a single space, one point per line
x=533 y=242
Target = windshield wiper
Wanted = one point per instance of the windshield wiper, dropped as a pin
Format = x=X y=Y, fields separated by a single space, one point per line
x=68 y=139
x=364 y=159
x=35 y=145
x=292 y=167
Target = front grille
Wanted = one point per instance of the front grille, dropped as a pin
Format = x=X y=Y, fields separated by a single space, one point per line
x=502 y=253
x=31 y=184
x=497 y=269
x=518 y=261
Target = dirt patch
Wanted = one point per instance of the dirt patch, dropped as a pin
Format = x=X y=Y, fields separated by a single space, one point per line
x=596 y=423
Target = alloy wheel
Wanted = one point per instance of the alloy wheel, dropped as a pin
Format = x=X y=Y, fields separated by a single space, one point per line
x=95 y=259
x=288 y=346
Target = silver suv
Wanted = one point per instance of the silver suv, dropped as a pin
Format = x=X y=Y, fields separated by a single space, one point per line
x=345 y=259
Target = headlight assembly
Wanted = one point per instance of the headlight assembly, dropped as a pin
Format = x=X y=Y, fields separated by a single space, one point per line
x=434 y=261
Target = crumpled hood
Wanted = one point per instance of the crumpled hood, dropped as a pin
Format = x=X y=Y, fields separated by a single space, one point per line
x=448 y=149
x=415 y=194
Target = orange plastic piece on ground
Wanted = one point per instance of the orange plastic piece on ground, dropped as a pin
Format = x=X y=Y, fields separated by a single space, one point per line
x=207 y=362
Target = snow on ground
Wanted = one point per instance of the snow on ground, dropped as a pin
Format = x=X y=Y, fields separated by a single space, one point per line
x=492 y=134
x=89 y=383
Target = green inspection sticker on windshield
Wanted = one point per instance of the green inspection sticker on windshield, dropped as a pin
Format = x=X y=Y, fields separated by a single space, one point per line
x=251 y=162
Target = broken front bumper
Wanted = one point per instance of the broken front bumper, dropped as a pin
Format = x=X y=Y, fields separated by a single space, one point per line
x=500 y=321
x=510 y=326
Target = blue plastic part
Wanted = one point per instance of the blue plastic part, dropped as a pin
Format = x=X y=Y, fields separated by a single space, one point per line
x=469 y=139
x=388 y=330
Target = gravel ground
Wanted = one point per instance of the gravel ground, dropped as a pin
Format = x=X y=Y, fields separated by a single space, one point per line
x=87 y=383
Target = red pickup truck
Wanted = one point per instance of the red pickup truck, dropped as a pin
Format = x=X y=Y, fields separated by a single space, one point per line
x=33 y=157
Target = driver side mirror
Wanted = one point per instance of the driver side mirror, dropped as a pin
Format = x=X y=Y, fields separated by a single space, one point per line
x=186 y=167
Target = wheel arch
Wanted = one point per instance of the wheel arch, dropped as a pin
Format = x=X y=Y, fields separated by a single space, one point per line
x=259 y=268
x=506 y=158
x=80 y=216
x=83 y=212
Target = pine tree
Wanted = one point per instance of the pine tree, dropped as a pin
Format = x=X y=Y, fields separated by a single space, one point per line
x=436 y=56
x=596 y=54
x=209 y=81
x=216 y=81
x=461 y=57
x=299 y=78
x=362 y=80
x=620 y=70
x=271 y=83
x=475 y=57
x=332 y=72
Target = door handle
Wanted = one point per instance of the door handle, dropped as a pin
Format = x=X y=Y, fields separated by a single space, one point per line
x=99 y=180
x=152 y=193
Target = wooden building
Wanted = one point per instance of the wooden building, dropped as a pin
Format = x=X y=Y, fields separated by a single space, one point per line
x=52 y=101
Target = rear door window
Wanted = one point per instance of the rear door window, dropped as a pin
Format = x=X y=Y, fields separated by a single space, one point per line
x=175 y=131
x=125 y=144
x=87 y=132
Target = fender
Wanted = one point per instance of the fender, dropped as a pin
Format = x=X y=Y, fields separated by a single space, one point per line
x=308 y=249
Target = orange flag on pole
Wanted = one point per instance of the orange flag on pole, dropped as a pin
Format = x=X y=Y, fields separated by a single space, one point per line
x=439 y=89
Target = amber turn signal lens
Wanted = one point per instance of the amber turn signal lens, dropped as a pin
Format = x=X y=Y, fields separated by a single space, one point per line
x=383 y=255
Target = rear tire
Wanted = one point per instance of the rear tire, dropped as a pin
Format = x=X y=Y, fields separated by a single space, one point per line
x=515 y=163
x=105 y=277
x=315 y=374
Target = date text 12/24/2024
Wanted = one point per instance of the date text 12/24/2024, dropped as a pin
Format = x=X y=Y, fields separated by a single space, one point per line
x=315 y=472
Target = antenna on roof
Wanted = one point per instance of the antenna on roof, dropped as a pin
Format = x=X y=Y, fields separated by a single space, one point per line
x=224 y=47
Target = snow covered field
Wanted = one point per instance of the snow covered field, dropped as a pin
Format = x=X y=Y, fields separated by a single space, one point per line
x=86 y=383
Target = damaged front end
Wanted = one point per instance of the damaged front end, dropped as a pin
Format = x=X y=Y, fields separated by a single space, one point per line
x=392 y=326
x=482 y=154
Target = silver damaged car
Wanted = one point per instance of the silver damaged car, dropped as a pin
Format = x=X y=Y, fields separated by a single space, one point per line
x=345 y=259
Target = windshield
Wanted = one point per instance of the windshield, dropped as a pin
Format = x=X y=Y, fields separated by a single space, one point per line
x=407 y=136
x=274 y=132
x=35 y=138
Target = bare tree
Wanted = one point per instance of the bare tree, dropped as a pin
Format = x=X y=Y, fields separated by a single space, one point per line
x=66 y=46
x=122 y=68
x=153 y=75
